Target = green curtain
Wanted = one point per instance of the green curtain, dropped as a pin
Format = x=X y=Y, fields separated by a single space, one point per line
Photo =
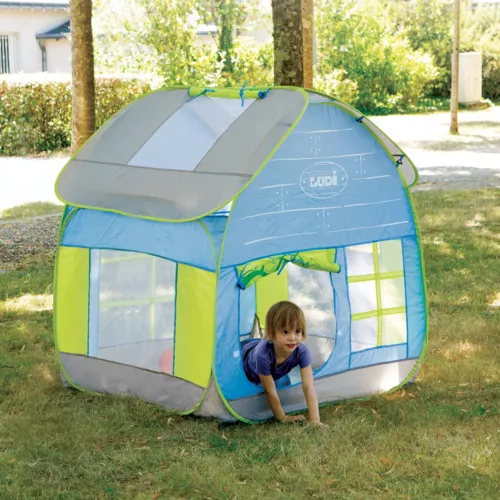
x=318 y=260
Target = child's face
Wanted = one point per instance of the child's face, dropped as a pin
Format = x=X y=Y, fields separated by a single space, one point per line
x=287 y=339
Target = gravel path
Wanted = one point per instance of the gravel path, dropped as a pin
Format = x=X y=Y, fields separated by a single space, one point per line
x=26 y=239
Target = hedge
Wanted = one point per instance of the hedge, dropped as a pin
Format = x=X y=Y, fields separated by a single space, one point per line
x=491 y=76
x=35 y=113
x=35 y=110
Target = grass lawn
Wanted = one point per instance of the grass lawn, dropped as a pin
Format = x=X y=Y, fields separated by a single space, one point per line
x=438 y=438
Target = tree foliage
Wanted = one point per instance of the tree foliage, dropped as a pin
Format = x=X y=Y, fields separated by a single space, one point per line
x=388 y=73
x=427 y=25
x=159 y=37
x=481 y=32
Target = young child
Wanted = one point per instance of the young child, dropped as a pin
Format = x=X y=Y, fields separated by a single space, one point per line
x=269 y=361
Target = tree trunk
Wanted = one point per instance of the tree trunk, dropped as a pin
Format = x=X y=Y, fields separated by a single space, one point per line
x=288 y=43
x=82 y=63
x=293 y=33
x=454 y=69
x=308 y=41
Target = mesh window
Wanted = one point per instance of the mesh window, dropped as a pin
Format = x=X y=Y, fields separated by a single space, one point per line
x=377 y=294
x=390 y=256
x=135 y=297
x=364 y=334
x=313 y=292
x=363 y=297
x=394 y=329
x=392 y=293
x=360 y=260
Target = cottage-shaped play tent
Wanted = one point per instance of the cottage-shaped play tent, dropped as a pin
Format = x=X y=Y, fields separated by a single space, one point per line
x=192 y=211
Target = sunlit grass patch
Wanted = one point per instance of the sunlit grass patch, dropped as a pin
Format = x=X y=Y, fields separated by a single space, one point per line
x=495 y=300
x=29 y=302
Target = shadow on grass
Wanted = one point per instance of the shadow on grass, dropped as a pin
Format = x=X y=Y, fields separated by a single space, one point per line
x=30 y=281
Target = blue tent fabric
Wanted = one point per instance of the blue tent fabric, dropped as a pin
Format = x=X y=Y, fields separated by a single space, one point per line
x=284 y=209
x=187 y=243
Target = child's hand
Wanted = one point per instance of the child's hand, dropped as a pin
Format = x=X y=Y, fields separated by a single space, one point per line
x=318 y=423
x=293 y=418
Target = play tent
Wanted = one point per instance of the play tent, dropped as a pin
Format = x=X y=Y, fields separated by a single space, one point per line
x=192 y=211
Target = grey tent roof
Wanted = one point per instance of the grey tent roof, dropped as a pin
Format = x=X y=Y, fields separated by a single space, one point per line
x=178 y=155
x=147 y=160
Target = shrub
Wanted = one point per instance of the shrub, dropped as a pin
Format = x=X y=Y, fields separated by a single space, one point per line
x=481 y=32
x=427 y=25
x=388 y=73
x=491 y=76
x=337 y=85
x=35 y=115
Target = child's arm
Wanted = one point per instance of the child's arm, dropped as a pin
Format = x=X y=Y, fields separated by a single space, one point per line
x=310 y=393
x=274 y=400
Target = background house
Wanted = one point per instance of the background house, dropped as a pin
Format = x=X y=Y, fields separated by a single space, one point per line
x=33 y=36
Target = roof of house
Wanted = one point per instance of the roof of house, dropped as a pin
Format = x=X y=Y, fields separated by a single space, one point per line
x=60 y=31
x=35 y=4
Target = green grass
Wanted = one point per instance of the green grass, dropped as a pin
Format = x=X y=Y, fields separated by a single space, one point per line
x=439 y=438
x=31 y=210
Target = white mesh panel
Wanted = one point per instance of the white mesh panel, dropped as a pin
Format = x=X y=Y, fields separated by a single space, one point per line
x=124 y=277
x=136 y=295
x=187 y=136
x=394 y=329
x=393 y=292
x=363 y=297
x=312 y=291
x=360 y=260
x=390 y=256
x=364 y=334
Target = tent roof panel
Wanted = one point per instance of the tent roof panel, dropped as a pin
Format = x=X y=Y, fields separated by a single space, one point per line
x=101 y=177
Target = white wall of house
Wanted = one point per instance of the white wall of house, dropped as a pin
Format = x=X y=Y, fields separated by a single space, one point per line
x=58 y=56
x=24 y=24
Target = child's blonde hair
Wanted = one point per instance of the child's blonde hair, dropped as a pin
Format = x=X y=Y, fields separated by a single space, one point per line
x=284 y=315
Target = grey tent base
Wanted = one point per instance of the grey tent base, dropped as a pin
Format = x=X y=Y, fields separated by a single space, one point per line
x=213 y=406
x=114 y=378
x=182 y=396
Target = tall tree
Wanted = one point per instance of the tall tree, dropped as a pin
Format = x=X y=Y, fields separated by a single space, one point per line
x=228 y=17
x=226 y=11
x=293 y=42
x=454 y=68
x=308 y=42
x=82 y=63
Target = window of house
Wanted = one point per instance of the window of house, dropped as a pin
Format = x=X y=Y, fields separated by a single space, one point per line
x=7 y=54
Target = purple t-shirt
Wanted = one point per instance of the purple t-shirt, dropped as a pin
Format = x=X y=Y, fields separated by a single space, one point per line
x=259 y=359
